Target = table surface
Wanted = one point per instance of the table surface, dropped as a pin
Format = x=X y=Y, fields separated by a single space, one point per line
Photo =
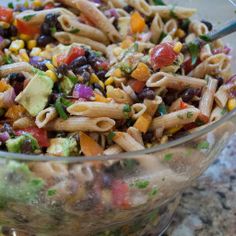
x=208 y=208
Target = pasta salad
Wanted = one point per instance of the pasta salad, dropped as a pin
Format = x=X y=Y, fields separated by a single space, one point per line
x=104 y=77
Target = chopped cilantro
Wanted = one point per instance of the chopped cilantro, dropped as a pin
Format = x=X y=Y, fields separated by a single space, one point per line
x=111 y=135
x=53 y=30
x=126 y=108
x=189 y=114
x=141 y=184
x=51 y=192
x=37 y=182
x=7 y=59
x=205 y=38
x=28 y=17
x=162 y=36
x=203 y=145
x=10 y=5
x=74 y=31
x=159 y=2
x=153 y=192
x=185 y=24
x=168 y=156
x=126 y=68
x=194 y=51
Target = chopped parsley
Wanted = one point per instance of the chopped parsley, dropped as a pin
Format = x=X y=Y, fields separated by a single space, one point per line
x=126 y=110
x=74 y=31
x=59 y=106
x=203 y=145
x=189 y=114
x=159 y=2
x=7 y=59
x=111 y=135
x=194 y=51
x=168 y=157
x=51 y=192
x=53 y=30
x=125 y=67
x=10 y=5
x=205 y=38
x=162 y=36
x=28 y=17
x=141 y=184
x=153 y=192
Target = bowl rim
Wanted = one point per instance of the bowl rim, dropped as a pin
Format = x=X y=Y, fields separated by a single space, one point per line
x=124 y=155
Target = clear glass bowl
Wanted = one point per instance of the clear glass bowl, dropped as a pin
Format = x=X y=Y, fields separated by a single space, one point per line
x=135 y=194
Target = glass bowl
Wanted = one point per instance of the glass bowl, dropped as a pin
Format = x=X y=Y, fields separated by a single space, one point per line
x=133 y=193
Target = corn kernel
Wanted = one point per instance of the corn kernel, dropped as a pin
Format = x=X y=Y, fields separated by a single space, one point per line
x=174 y=130
x=15 y=22
x=109 y=81
x=24 y=56
x=178 y=47
x=117 y=73
x=50 y=66
x=16 y=45
x=35 y=52
x=117 y=51
x=164 y=139
x=37 y=3
x=31 y=44
x=52 y=75
x=54 y=60
x=4 y=25
x=126 y=43
x=231 y=104
x=25 y=37
x=180 y=33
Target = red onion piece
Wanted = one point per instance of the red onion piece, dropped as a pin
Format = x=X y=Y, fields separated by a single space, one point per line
x=82 y=91
x=226 y=50
x=111 y=13
x=9 y=97
x=4 y=136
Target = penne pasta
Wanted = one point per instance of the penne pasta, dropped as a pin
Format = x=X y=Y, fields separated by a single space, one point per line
x=141 y=6
x=23 y=123
x=221 y=97
x=45 y=116
x=68 y=38
x=98 y=109
x=167 y=11
x=216 y=114
x=72 y=124
x=98 y=19
x=178 y=82
x=137 y=110
x=15 y=68
x=69 y=24
x=113 y=149
x=157 y=27
x=207 y=99
x=171 y=27
x=205 y=52
x=198 y=28
x=136 y=134
x=118 y=95
x=174 y=119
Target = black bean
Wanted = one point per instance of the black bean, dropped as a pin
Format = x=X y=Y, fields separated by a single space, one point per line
x=101 y=74
x=92 y=58
x=26 y=146
x=41 y=65
x=188 y=94
x=147 y=137
x=97 y=86
x=58 y=26
x=5 y=33
x=208 y=24
x=146 y=93
x=82 y=69
x=44 y=40
x=45 y=29
x=6 y=127
x=87 y=53
x=51 y=19
x=86 y=76
x=78 y=62
x=62 y=69
x=13 y=30
x=107 y=180
x=170 y=97
x=220 y=81
x=128 y=8
x=16 y=77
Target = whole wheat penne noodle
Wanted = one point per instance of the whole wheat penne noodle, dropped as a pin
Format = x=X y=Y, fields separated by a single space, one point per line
x=118 y=95
x=17 y=67
x=167 y=11
x=175 y=106
x=144 y=46
x=198 y=28
x=45 y=116
x=178 y=82
x=110 y=55
x=37 y=17
x=123 y=96
x=205 y=52
x=167 y=39
x=69 y=24
x=190 y=37
x=221 y=97
x=218 y=44
x=136 y=134
x=216 y=114
x=141 y=6
x=181 y=117
x=24 y=122
x=129 y=91
x=118 y=3
x=98 y=19
x=207 y=99
x=70 y=3
x=68 y=38
x=124 y=26
x=113 y=149
x=137 y=110
x=157 y=27
x=122 y=12
x=98 y=109
x=152 y=105
x=72 y=124
x=171 y=27
x=213 y=65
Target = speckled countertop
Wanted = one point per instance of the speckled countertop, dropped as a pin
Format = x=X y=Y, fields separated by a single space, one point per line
x=208 y=208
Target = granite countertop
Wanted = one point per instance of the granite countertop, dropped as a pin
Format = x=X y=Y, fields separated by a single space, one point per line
x=208 y=208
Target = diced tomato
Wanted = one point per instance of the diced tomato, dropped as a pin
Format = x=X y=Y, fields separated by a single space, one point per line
x=190 y=126
x=137 y=85
x=183 y=105
x=187 y=65
x=120 y=194
x=101 y=65
x=73 y=54
x=6 y=14
x=203 y=118
x=163 y=55
x=39 y=134
x=25 y=28
x=49 y=6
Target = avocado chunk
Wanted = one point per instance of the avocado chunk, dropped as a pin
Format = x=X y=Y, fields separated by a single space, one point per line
x=66 y=85
x=35 y=95
x=62 y=147
x=15 y=144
